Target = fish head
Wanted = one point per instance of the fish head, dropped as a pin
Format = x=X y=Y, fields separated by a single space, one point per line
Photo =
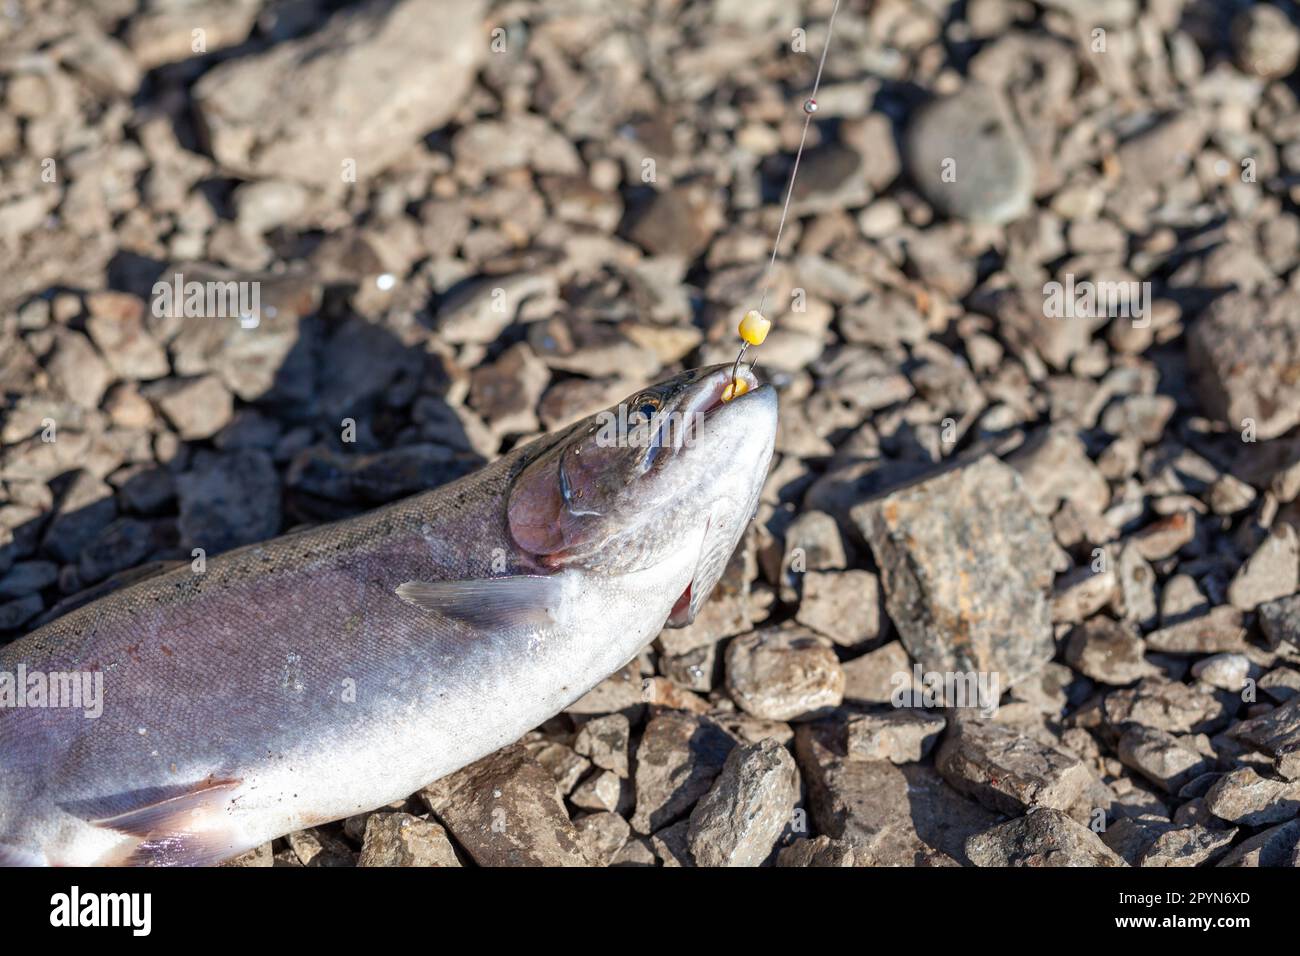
x=672 y=473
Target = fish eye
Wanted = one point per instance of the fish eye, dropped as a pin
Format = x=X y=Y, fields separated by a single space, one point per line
x=645 y=405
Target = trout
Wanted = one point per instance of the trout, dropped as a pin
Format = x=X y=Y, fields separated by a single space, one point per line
x=334 y=670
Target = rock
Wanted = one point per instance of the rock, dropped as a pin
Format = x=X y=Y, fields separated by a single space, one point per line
x=785 y=673
x=888 y=817
x=27 y=577
x=227 y=500
x=605 y=741
x=670 y=846
x=901 y=736
x=1137 y=585
x=379 y=478
x=1224 y=671
x=1166 y=537
x=1217 y=632
x=1162 y=704
x=1008 y=771
x=830 y=178
x=1042 y=838
x=819 y=851
x=506 y=392
x=263 y=205
x=320 y=848
x=1244 y=351
x=505 y=811
x=1081 y=593
x=875 y=677
x=603 y=835
x=352 y=97
x=590 y=348
x=843 y=605
x=967 y=568
x=522 y=140
x=116 y=326
x=1243 y=796
x=602 y=791
x=636 y=852
x=197 y=408
x=1194 y=845
x=739 y=820
x=676 y=222
x=968 y=158
x=1162 y=758
x=1055 y=467
x=1163 y=151
x=1264 y=42
x=1272 y=572
x=85 y=508
x=565 y=766
x=77 y=369
x=1108 y=651
x=1276 y=846
x=121 y=545
x=812 y=542
x=679 y=757
x=400 y=839
x=478 y=312
x=1280 y=620
x=14 y=614
x=163 y=32
x=1277 y=734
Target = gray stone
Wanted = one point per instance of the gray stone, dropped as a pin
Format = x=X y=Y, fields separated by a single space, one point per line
x=843 y=605
x=1042 y=838
x=900 y=736
x=1277 y=734
x=360 y=90
x=401 y=839
x=1265 y=42
x=1276 y=846
x=1280 y=620
x=1108 y=651
x=679 y=757
x=968 y=158
x=784 y=673
x=967 y=569
x=1244 y=796
x=1272 y=572
x=1165 y=760
x=1008 y=771
x=197 y=408
x=819 y=851
x=228 y=500
x=603 y=835
x=738 y=822
x=1243 y=351
x=505 y=811
x=605 y=741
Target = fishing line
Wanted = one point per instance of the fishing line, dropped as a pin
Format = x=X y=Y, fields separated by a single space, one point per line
x=754 y=327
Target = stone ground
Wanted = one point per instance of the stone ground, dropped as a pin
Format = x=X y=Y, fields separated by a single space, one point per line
x=473 y=222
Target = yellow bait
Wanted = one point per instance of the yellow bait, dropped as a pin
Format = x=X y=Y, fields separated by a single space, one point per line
x=754 y=327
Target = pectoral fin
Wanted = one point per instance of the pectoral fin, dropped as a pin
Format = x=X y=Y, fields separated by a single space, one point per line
x=154 y=809
x=178 y=826
x=529 y=600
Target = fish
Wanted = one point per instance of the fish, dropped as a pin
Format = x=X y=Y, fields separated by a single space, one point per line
x=336 y=669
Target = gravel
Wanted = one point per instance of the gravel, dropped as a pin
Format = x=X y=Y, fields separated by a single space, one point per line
x=456 y=248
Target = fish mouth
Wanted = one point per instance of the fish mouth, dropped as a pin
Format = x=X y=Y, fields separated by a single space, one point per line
x=710 y=399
